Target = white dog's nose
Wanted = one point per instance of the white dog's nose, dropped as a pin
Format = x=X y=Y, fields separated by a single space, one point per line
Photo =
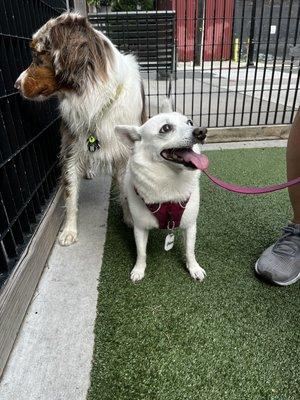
x=200 y=134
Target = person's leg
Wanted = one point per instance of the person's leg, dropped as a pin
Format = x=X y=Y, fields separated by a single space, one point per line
x=280 y=263
x=293 y=165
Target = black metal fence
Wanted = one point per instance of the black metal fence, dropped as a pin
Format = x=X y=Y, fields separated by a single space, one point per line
x=236 y=61
x=29 y=133
x=130 y=30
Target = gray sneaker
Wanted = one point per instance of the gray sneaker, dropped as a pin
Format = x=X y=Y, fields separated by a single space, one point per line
x=280 y=263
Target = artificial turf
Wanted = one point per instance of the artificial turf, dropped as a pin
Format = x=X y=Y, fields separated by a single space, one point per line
x=231 y=337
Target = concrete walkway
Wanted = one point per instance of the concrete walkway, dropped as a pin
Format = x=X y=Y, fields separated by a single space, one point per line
x=217 y=96
x=52 y=357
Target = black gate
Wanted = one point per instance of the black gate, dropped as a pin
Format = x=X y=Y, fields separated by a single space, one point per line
x=130 y=30
x=29 y=133
x=236 y=61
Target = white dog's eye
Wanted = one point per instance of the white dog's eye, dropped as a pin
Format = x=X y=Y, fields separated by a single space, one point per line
x=190 y=122
x=166 y=128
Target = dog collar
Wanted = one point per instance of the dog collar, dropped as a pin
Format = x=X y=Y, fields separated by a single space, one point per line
x=92 y=141
x=108 y=105
x=168 y=214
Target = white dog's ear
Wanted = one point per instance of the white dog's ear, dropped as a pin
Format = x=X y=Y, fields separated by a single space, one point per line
x=166 y=106
x=128 y=133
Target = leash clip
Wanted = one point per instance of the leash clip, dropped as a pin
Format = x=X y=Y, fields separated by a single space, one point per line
x=173 y=225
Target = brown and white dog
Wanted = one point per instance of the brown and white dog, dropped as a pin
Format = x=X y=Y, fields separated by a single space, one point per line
x=98 y=88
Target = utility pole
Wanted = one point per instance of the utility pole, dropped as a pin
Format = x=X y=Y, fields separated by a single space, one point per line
x=80 y=6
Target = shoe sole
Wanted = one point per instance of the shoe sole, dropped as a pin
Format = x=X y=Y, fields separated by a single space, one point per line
x=294 y=280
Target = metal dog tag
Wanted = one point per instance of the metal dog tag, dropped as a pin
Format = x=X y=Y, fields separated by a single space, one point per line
x=169 y=242
x=93 y=144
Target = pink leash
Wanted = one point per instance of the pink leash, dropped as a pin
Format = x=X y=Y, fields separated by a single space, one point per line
x=251 y=190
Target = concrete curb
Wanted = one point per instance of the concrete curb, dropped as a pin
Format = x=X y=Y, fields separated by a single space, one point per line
x=259 y=144
x=243 y=133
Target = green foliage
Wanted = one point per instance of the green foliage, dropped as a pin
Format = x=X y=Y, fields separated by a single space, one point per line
x=93 y=2
x=99 y=2
x=131 y=5
x=124 y=5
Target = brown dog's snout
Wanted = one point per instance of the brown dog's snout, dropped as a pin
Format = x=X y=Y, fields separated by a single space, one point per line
x=200 y=134
x=17 y=84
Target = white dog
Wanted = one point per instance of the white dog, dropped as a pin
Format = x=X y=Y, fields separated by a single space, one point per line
x=162 y=183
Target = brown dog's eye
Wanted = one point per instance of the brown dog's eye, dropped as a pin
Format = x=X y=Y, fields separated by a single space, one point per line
x=36 y=59
x=165 y=128
x=190 y=122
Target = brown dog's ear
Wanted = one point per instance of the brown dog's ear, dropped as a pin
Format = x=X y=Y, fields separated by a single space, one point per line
x=78 y=52
x=69 y=50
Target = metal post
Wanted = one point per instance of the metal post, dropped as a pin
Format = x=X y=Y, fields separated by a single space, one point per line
x=80 y=6
x=199 y=36
x=251 y=38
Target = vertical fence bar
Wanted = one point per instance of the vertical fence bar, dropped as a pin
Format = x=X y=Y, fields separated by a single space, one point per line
x=166 y=47
x=274 y=64
x=212 y=61
x=195 y=26
x=148 y=66
x=202 y=62
x=229 y=68
x=221 y=63
x=249 y=56
x=266 y=61
x=291 y=72
x=261 y=18
x=239 y=62
x=157 y=65
x=283 y=61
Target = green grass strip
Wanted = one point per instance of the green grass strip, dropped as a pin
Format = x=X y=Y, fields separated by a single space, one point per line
x=230 y=337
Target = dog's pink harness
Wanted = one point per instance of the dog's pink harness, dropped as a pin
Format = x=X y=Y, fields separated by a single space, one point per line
x=168 y=214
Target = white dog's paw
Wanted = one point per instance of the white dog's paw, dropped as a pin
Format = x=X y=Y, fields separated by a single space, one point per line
x=197 y=272
x=67 y=237
x=137 y=274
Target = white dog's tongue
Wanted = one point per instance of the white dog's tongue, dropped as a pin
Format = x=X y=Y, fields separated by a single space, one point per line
x=198 y=160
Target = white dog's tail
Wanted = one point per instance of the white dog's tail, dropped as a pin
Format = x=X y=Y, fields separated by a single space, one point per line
x=167 y=105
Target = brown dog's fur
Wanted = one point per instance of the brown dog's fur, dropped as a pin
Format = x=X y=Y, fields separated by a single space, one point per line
x=98 y=88
x=40 y=81
x=66 y=57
